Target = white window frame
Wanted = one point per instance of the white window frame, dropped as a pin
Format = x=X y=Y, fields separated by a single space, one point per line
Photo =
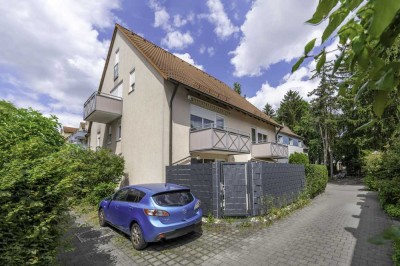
x=300 y=143
x=219 y=116
x=116 y=64
x=109 y=136
x=291 y=141
x=132 y=80
x=280 y=139
x=118 y=134
x=262 y=132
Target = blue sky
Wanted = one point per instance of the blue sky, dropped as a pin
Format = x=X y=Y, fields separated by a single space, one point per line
x=53 y=51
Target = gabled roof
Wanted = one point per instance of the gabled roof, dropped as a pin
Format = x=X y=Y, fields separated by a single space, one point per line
x=288 y=131
x=175 y=69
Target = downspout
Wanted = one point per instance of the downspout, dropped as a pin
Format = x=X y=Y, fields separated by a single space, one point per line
x=170 y=122
x=276 y=135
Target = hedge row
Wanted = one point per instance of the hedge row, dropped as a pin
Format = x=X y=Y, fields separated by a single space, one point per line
x=39 y=177
x=316 y=179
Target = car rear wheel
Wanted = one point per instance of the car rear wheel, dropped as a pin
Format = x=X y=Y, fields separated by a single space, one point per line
x=137 y=237
x=102 y=220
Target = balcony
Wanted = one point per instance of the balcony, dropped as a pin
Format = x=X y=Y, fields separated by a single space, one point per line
x=270 y=150
x=219 y=140
x=102 y=108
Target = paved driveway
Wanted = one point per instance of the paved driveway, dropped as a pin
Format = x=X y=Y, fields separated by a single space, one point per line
x=332 y=230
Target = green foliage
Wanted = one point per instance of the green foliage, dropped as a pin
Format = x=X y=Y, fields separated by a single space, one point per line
x=292 y=108
x=269 y=111
x=372 y=166
x=237 y=87
x=299 y=158
x=39 y=174
x=393 y=210
x=366 y=30
x=316 y=179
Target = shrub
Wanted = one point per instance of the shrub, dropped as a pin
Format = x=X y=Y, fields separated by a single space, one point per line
x=39 y=174
x=299 y=158
x=372 y=166
x=316 y=179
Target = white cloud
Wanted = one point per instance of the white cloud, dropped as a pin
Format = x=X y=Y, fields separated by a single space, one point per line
x=50 y=50
x=273 y=31
x=188 y=58
x=177 y=40
x=298 y=81
x=202 y=49
x=179 y=21
x=210 y=51
x=161 y=16
x=223 y=25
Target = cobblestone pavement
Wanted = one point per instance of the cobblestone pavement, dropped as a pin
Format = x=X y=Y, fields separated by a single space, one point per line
x=332 y=230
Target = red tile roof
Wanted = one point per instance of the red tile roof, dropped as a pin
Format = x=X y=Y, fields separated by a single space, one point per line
x=69 y=129
x=175 y=69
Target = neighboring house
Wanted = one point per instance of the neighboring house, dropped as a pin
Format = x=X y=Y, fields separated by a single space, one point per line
x=67 y=131
x=155 y=110
x=295 y=142
x=79 y=137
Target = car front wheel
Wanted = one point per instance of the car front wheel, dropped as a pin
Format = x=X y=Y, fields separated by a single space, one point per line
x=102 y=219
x=137 y=237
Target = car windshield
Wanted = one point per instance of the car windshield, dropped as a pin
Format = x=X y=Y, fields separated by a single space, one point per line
x=175 y=198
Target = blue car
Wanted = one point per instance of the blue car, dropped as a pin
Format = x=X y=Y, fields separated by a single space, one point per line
x=151 y=212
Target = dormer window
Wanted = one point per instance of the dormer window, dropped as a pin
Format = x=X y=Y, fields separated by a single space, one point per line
x=116 y=64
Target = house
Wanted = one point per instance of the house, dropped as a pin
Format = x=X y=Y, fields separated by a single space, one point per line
x=155 y=110
x=294 y=142
x=67 y=131
x=79 y=136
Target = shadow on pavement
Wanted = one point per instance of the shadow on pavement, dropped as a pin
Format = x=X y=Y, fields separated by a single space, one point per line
x=372 y=221
x=85 y=241
x=164 y=244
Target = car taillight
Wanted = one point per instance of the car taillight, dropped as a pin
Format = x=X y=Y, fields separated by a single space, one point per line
x=197 y=205
x=156 y=213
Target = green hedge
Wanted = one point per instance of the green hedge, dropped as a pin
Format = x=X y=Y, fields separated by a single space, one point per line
x=40 y=176
x=298 y=158
x=316 y=179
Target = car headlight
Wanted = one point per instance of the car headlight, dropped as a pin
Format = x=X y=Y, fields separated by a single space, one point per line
x=197 y=205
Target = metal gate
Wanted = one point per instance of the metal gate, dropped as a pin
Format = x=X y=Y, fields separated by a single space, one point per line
x=235 y=192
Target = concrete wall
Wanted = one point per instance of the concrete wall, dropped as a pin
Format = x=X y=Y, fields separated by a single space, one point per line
x=144 y=122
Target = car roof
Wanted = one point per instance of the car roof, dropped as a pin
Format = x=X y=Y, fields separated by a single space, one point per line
x=154 y=188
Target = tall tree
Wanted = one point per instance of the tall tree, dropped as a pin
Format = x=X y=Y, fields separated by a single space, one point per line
x=292 y=109
x=269 y=111
x=237 y=87
x=324 y=108
x=365 y=29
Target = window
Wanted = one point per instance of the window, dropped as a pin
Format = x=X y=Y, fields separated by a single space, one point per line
x=197 y=122
x=262 y=138
x=174 y=198
x=109 y=135
x=132 y=80
x=280 y=139
x=290 y=141
x=117 y=91
x=134 y=195
x=253 y=135
x=116 y=63
x=300 y=143
x=118 y=135
x=201 y=160
x=120 y=195
x=220 y=122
